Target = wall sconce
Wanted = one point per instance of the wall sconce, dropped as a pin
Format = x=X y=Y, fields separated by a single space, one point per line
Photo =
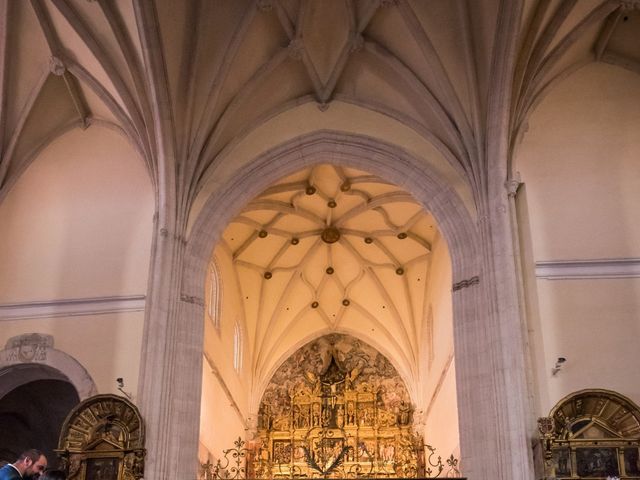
x=558 y=366
x=120 y=383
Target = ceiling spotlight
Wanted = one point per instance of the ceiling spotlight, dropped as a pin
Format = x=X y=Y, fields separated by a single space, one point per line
x=310 y=190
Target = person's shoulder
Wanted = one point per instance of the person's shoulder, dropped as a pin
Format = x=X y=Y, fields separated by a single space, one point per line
x=9 y=473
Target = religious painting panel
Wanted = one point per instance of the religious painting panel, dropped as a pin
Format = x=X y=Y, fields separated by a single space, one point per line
x=102 y=468
x=597 y=462
x=632 y=461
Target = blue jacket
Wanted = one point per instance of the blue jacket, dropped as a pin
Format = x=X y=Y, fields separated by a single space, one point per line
x=9 y=472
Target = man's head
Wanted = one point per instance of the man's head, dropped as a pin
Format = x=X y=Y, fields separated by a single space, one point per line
x=31 y=464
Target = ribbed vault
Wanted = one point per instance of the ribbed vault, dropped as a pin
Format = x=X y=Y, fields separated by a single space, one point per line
x=331 y=249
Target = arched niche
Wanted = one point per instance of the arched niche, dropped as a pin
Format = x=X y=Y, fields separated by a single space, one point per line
x=592 y=433
x=103 y=438
x=31 y=414
x=32 y=356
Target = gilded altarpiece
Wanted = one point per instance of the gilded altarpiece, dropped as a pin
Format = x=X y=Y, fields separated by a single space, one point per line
x=103 y=439
x=591 y=434
x=336 y=408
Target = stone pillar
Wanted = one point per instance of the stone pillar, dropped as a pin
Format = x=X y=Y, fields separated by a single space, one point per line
x=171 y=365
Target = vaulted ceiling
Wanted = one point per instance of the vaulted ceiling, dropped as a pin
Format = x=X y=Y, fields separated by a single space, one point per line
x=185 y=80
x=330 y=249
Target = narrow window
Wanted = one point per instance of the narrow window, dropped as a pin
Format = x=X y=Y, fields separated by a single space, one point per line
x=430 y=340
x=237 y=347
x=214 y=296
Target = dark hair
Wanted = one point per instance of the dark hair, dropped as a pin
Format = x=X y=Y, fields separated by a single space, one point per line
x=53 y=475
x=32 y=454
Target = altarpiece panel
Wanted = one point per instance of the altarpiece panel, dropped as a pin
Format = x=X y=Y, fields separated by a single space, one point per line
x=336 y=408
x=592 y=434
x=103 y=439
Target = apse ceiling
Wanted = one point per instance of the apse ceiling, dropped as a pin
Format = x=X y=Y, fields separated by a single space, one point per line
x=331 y=249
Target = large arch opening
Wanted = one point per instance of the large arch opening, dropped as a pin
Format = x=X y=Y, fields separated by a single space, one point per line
x=329 y=249
x=397 y=168
x=35 y=389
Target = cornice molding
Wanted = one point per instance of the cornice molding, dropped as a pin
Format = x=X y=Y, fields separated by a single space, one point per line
x=588 y=269
x=71 y=307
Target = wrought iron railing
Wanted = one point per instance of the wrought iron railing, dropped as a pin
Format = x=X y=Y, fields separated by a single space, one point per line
x=239 y=463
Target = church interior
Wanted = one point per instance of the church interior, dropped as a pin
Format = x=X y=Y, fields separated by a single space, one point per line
x=321 y=238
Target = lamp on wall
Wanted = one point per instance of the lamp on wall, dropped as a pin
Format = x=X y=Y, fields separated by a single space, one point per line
x=120 y=383
x=558 y=366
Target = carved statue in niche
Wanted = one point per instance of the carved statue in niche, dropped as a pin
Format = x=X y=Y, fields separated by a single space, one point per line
x=340 y=416
x=404 y=412
x=342 y=409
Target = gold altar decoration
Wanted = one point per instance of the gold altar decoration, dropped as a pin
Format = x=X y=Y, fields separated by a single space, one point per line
x=103 y=439
x=232 y=466
x=591 y=434
x=337 y=408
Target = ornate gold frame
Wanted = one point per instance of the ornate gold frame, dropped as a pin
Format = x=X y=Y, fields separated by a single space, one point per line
x=591 y=434
x=103 y=439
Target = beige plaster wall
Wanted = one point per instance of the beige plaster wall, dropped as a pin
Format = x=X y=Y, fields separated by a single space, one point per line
x=579 y=162
x=439 y=402
x=107 y=346
x=595 y=325
x=220 y=424
x=78 y=222
x=442 y=431
x=77 y=225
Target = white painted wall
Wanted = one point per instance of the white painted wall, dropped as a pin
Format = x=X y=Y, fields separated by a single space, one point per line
x=439 y=402
x=220 y=422
x=77 y=225
x=579 y=162
x=78 y=222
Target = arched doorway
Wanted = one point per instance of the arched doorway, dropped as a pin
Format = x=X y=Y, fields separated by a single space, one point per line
x=32 y=412
x=35 y=378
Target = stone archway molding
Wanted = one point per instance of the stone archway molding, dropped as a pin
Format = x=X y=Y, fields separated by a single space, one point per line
x=489 y=399
x=33 y=357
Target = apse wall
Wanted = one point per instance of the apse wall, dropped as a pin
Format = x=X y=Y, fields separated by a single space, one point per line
x=580 y=234
x=75 y=252
x=224 y=408
x=438 y=385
